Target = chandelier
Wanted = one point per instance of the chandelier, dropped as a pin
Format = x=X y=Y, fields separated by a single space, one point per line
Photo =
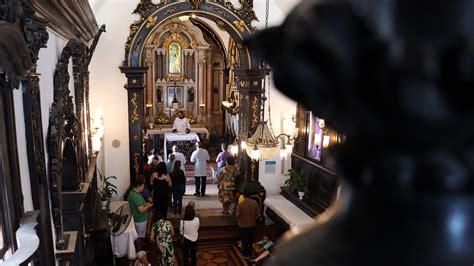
x=262 y=144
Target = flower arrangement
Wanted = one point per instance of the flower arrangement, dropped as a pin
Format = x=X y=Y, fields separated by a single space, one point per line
x=162 y=119
x=192 y=119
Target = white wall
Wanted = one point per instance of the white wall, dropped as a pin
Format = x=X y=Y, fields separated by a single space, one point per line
x=107 y=84
x=22 y=154
x=107 y=88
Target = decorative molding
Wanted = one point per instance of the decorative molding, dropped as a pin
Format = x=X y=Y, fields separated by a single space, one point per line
x=196 y=4
x=151 y=14
x=133 y=102
x=71 y=19
x=36 y=35
x=255 y=112
x=36 y=165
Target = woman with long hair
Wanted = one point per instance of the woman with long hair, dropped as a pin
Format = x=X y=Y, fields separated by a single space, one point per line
x=179 y=186
x=189 y=227
x=161 y=189
x=163 y=234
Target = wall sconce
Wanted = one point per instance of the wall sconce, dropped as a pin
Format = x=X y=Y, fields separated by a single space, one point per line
x=321 y=137
x=325 y=141
x=286 y=148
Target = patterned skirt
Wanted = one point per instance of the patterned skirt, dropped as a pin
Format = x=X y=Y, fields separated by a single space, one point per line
x=226 y=196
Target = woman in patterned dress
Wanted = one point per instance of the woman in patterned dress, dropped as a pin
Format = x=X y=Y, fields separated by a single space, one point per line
x=226 y=184
x=163 y=233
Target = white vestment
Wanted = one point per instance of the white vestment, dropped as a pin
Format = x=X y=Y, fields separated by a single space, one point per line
x=181 y=125
x=200 y=158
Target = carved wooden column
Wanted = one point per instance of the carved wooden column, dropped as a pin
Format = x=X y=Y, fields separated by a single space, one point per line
x=249 y=84
x=135 y=87
x=37 y=166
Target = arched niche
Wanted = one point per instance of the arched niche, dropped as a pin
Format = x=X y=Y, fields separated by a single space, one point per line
x=237 y=22
x=70 y=176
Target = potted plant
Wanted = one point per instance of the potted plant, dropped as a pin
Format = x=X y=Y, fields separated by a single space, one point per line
x=297 y=182
x=107 y=191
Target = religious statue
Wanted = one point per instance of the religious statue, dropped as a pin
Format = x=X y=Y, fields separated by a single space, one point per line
x=406 y=69
x=191 y=94
x=159 y=92
x=174 y=58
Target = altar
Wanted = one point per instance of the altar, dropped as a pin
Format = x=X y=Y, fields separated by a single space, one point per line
x=164 y=139
x=186 y=143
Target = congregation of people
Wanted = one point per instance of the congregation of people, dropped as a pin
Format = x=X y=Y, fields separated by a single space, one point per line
x=163 y=185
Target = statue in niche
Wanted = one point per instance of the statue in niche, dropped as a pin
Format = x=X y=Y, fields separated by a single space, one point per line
x=159 y=92
x=174 y=58
x=191 y=94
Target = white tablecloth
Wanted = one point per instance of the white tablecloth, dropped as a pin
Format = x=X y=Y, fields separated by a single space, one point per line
x=123 y=245
x=178 y=137
x=199 y=130
x=291 y=214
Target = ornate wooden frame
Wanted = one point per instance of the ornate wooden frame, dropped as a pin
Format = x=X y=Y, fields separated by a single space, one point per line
x=22 y=35
x=237 y=22
x=65 y=123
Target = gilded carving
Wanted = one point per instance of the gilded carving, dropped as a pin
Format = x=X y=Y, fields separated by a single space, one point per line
x=255 y=83
x=240 y=24
x=196 y=3
x=221 y=12
x=134 y=105
x=171 y=10
x=255 y=110
x=151 y=22
x=222 y=8
x=136 y=167
x=244 y=84
x=135 y=137
x=176 y=37
x=134 y=81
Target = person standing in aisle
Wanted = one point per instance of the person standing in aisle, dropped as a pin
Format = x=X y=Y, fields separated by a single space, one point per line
x=200 y=157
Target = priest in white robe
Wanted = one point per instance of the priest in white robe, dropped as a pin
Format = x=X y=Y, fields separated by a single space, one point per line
x=181 y=124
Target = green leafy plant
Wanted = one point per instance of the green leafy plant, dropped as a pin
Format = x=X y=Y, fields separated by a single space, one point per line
x=109 y=189
x=297 y=181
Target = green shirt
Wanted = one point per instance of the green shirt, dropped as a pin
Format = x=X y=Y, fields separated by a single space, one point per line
x=135 y=200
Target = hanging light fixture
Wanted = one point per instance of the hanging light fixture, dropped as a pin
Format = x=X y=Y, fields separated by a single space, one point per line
x=263 y=141
x=263 y=145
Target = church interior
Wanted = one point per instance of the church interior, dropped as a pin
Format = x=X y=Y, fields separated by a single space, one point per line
x=284 y=132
